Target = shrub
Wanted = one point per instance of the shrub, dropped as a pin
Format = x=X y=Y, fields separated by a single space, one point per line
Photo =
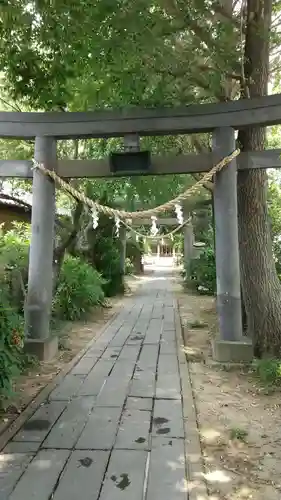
x=107 y=262
x=135 y=251
x=203 y=272
x=268 y=371
x=79 y=288
x=239 y=434
x=14 y=248
x=12 y=359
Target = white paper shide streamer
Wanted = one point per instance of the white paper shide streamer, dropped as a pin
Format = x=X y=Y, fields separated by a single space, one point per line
x=179 y=213
x=95 y=218
x=117 y=225
x=154 y=228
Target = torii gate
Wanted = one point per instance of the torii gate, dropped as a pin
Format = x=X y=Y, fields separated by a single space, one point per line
x=221 y=119
x=187 y=230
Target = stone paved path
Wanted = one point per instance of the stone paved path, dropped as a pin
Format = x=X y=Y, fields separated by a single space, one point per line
x=113 y=429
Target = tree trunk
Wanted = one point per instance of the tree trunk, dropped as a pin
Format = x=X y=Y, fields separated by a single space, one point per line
x=260 y=283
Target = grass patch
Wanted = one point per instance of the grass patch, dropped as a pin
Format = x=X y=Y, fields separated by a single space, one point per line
x=238 y=434
x=268 y=371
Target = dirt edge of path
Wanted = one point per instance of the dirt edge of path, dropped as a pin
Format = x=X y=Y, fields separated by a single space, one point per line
x=238 y=419
x=196 y=484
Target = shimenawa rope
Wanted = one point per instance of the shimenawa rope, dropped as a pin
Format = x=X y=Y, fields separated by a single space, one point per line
x=122 y=214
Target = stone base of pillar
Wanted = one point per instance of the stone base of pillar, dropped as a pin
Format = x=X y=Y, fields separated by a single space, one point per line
x=43 y=349
x=225 y=351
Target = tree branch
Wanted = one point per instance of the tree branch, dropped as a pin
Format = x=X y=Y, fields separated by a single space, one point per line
x=12 y=106
x=219 y=9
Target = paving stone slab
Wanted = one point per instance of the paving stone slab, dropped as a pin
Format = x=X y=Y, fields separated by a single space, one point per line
x=69 y=426
x=148 y=358
x=141 y=404
x=113 y=395
x=94 y=381
x=83 y=476
x=100 y=430
x=168 y=363
x=94 y=352
x=12 y=467
x=120 y=339
x=154 y=331
x=133 y=433
x=116 y=388
x=39 y=425
x=146 y=315
x=110 y=353
x=168 y=348
x=135 y=340
x=143 y=384
x=67 y=389
x=169 y=314
x=157 y=313
x=85 y=365
x=168 y=336
x=168 y=418
x=40 y=477
x=169 y=302
x=168 y=380
x=130 y=352
x=168 y=325
x=125 y=476
x=140 y=326
x=21 y=447
x=167 y=471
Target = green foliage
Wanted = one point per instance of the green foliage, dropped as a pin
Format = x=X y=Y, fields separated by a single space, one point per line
x=13 y=270
x=203 y=272
x=11 y=342
x=79 y=288
x=107 y=262
x=274 y=208
x=14 y=247
x=159 y=60
x=268 y=371
x=239 y=434
x=135 y=251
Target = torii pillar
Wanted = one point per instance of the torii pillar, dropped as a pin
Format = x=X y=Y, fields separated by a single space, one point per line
x=230 y=346
x=122 y=236
x=38 y=306
x=188 y=241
